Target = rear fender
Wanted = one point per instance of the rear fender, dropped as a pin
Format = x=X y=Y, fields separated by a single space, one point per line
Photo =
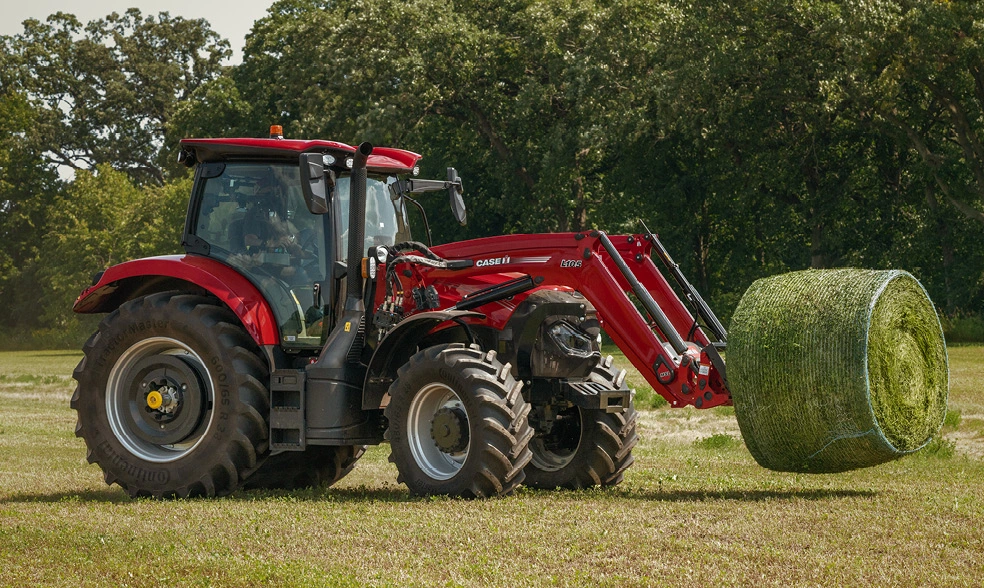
x=191 y=273
x=396 y=349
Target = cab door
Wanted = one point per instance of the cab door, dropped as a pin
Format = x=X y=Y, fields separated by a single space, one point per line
x=252 y=216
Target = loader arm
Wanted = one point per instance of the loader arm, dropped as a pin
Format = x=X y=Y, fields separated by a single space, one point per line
x=668 y=347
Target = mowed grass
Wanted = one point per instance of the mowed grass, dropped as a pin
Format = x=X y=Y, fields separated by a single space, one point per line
x=694 y=510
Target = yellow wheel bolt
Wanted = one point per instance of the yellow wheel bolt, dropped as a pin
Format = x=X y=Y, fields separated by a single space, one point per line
x=155 y=400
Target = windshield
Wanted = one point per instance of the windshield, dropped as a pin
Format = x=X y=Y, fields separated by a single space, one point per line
x=386 y=222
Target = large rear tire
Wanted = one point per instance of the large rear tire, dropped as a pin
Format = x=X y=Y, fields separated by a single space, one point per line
x=585 y=448
x=316 y=466
x=457 y=424
x=171 y=399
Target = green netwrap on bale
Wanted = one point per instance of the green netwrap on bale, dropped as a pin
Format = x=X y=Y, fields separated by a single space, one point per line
x=832 y=370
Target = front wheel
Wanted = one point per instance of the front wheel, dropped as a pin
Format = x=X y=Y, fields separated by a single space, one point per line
x=171 y=399
x=584 y=448
x=457 y=424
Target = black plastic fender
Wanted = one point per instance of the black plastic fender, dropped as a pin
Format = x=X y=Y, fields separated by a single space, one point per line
x=397 y=348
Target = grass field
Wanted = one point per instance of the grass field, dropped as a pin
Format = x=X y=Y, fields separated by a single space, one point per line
x=694 y=510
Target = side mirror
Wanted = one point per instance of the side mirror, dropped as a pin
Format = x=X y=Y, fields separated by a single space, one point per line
x=455 y=190
x=315 y=183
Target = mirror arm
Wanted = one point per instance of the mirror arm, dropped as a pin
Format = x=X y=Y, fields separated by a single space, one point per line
x=403 y=188
x=421 y=186
x=423 y=215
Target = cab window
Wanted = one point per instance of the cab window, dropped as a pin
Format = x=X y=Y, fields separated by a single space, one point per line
x=254 y=218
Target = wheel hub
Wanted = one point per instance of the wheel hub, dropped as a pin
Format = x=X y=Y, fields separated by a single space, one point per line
x=167 y=401
x=449 y=429
x=437 y=431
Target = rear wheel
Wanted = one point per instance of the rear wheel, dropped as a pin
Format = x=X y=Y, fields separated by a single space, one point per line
x=170 y=398
x=314 y=467
x=584 y=448
x=457 y=424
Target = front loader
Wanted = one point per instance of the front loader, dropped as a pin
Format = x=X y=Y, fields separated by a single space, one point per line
x=304 y=323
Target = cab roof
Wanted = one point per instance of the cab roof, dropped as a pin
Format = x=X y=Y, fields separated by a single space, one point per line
x=383 y=159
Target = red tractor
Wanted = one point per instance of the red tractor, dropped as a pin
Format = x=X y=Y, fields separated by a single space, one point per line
x=303 y=323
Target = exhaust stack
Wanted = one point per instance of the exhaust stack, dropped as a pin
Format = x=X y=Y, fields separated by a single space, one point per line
x=334 y=381
x=357 y=225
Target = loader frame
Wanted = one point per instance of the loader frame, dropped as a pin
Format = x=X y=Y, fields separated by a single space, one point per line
x=669 y=348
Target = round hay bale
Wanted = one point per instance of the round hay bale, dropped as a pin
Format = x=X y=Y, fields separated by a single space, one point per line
x=832 y=370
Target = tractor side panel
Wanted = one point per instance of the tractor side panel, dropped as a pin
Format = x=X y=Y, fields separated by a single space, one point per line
x=198 y=274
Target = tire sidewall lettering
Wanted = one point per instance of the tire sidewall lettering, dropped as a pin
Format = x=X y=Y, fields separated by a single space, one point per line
x=452 y=378
x=131 y=466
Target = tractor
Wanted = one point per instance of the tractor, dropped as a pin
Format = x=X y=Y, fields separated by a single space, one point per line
x=304 y=323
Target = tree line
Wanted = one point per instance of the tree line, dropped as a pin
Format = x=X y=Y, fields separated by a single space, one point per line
x=755 y=136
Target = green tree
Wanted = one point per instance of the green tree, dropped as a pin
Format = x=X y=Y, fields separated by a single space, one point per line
x=27 y=186
x=104 y=218
x=534 y=96
x=918 y=76
x=922 y=76
x=757 y=136
x=105 y=92
x=85 y=98
x=764 y=158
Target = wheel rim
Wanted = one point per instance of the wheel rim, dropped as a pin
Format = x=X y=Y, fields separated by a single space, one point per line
x=437 y=463
x=555 y=450
x=159 y=399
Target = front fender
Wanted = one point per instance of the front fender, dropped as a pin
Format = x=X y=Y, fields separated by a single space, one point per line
x=193 y=273
x=396 y=349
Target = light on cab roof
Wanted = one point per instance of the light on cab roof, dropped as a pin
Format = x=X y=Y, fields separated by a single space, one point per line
x=276 y=132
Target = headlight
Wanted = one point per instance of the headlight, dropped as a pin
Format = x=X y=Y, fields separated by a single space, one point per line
x=570 y=340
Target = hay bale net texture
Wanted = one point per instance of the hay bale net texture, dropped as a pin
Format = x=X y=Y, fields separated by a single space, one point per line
x=833 y=370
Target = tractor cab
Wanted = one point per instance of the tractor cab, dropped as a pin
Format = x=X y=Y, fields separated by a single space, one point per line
x=252 y=216
x=253 y=208
x=276 y=211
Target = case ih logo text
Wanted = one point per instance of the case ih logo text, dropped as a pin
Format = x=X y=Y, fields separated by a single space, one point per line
x=494 y=261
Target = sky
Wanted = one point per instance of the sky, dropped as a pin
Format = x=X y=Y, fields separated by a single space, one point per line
x=231 y=20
